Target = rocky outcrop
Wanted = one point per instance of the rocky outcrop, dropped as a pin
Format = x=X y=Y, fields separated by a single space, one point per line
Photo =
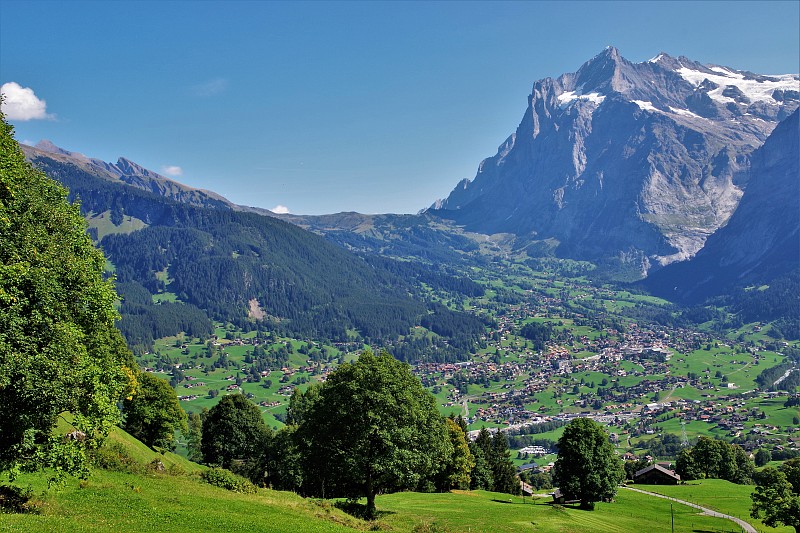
x=762 y=238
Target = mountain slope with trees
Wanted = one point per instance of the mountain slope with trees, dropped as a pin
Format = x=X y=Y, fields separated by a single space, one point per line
x=253 y=271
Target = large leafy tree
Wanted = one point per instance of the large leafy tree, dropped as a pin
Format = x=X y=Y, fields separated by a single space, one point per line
x=455 y=473
x=154 y=414
x=777 y=495
x=234 y=434
x=587 y=468
x=59 y=350
x=711 y=458
x=373 y=428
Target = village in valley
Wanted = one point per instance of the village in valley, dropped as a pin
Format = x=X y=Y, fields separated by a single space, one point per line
x=594 y=354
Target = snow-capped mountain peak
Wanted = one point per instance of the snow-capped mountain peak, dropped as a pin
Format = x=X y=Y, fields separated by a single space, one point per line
x=641 y=161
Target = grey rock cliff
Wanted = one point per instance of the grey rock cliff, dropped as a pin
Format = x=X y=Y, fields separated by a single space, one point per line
x=638 y=161
x=762 y=238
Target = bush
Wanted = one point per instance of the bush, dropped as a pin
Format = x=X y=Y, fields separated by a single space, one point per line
x=219 y=477
x=115 y=457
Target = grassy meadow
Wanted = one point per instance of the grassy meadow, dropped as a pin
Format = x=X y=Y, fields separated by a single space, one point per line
x=719 y=495
x=124 y=502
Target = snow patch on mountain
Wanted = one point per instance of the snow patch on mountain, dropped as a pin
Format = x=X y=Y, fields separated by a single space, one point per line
x=568 y=97
x=684 y=112
x=645 y=106
x=755 y=88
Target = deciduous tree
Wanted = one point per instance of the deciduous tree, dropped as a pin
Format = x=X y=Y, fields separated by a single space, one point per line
x=234 y=434
x=153 y=414
x=456 y=470
x=374 y=428
x=59 y=349
x=776 y=498
x=587 y=469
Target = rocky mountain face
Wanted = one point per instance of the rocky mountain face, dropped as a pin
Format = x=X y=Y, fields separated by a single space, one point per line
x=637 y=163
x=125 y=171
x=762 y=237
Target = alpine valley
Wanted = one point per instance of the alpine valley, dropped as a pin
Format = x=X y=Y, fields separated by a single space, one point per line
x=631 y=254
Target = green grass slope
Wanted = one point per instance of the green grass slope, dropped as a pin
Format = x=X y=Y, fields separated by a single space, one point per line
x=486 y=511
x=122 y=502
x=139 y=499
x=136 y=498
x=719 y=495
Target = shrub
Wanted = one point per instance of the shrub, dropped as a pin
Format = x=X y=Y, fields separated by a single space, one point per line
x=115 y=457
x=219 y=477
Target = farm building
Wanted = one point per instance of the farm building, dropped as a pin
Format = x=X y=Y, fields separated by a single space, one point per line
x=656 y=475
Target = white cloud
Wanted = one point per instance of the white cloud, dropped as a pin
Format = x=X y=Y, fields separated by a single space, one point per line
x=21 y=103
x=172 y=170
x=280 y=210
x=210 y=87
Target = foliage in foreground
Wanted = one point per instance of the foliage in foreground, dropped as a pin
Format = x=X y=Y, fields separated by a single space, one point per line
x=153 y=415
x=59 y=350
x=219 y=477
x=777 y=495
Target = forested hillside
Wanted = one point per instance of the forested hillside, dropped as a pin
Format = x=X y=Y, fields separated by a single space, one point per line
x=253 y=271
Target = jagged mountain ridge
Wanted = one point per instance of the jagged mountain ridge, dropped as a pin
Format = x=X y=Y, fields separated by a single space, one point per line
x=638 y=161
x=130 y=173
x=762 y=238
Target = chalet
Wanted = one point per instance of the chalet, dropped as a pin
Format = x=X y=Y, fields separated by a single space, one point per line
x=656 y=475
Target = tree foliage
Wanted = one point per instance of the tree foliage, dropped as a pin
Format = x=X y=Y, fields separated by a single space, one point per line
x=777 y=495
x=194 y=436
x=587 y=468
x=711 y=458
x=372 y=429
x=455 y=473
x=493 y=468
x=153 y=415
x=234 y=434
x=59 y=350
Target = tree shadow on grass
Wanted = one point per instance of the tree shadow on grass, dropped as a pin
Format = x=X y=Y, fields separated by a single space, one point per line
x=502 y=501
x=18 y=500
x=359 y=510
x=573 y=506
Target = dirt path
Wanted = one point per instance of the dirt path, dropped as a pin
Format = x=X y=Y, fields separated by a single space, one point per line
x=744 y=525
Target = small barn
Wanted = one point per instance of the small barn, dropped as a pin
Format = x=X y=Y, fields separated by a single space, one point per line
x=656 y=475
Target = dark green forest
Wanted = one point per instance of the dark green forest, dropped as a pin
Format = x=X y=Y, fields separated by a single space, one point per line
x=220 y=262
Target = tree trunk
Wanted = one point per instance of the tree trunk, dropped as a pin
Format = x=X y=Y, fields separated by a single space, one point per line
x=370 y=497
x=371 y=505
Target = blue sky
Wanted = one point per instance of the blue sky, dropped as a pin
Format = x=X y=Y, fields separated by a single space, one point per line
x=326 y=106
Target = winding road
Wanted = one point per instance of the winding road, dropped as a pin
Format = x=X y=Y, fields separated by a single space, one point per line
x=744 y=525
